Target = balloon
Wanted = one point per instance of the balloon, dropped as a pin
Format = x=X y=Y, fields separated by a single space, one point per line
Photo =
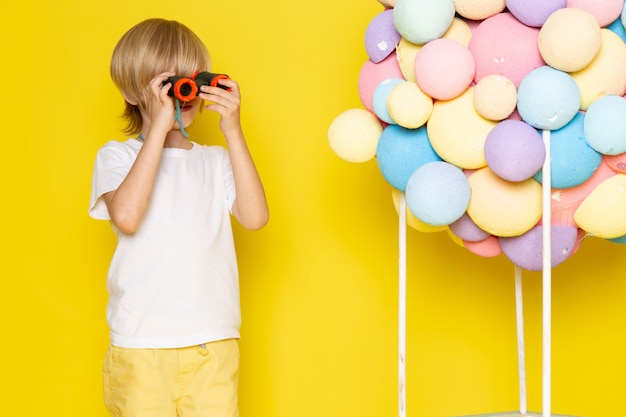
x=565 y=202
x=504 y=208
x=354 y=134
x=570 y=39
x=379 y=101
x=409 y=106
x=602 y=212
x=372 y=74
x=605 y=125
x=467 y=230
x=467 y=150
x=503 y=45
x=420 y=21
x=478 y=9
x=458 y=133
x=444 y=68
x=381 y=36
x=526 y=250
x=495 y=97
x=438 y=193
x=534 y=12
x=573 y=160
x=487 y=248
x=411 y=220
x=548 y=98
x=401 y=151
x=605 y=74
x=514 y=150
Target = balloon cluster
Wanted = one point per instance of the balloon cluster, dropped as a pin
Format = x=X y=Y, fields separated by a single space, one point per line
x=458 y=98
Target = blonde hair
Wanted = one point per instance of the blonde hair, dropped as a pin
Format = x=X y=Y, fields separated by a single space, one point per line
x=147 y=49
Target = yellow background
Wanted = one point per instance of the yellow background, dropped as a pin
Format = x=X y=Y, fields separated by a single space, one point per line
x=319 y=283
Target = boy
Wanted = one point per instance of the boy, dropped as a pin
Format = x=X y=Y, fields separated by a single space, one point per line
x=173 y=284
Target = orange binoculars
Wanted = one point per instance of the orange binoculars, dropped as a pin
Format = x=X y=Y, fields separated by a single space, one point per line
x=186 y=88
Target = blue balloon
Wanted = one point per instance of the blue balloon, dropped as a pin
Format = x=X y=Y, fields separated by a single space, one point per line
x=400 y=151
x=421 y=21
x=438 y=193
x=621 y=239
x=379 y=99
x=548 y=98
x=618 y=28
x=572 y=160
x=605 y=125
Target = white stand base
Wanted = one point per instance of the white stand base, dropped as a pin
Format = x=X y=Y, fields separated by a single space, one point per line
x=516 y=414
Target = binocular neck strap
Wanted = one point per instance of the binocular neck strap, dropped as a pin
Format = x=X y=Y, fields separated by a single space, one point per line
x=179 y=119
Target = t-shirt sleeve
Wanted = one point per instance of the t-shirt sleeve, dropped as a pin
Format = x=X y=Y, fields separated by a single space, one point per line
x=112 y=165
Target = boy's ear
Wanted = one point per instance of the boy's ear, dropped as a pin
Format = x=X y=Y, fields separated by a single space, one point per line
x=128 y=99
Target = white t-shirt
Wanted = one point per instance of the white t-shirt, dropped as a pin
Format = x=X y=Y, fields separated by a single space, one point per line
x=174 y=282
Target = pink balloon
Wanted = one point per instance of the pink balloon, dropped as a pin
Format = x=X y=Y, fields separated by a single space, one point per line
x=565 y=201
x=616 y=162
x=503 y=45
x=373 y=74
x=580 y=237
x=444 y=68
x=605 y=11
x=514 y=116
x=487 y=248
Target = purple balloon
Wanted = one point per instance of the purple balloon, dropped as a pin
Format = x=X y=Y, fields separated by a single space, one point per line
x=381 y=36
x=526 y=250
x=534 y=12
x=514 y=150
x=467 y=230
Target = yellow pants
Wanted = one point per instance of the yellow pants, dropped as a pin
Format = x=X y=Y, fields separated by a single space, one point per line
x=197 y=381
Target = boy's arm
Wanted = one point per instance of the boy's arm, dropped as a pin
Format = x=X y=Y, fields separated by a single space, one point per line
x=129 y=202
x=127 y=205
x=250 y=206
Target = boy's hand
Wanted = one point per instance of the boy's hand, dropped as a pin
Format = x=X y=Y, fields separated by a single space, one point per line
x=226 y=103
x=161 y=111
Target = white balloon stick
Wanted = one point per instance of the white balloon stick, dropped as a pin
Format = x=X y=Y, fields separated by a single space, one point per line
x=402 y=307
x=547 y=278
x=521 y=356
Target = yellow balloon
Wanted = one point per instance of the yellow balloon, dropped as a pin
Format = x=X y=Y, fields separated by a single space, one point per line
x=458 y=133
x=495 y=97
x=478 y=9
x=605 y=74
x=501 y=207
x=354 y=134
x=409 y=106
x=603 y=212
x=455 y=238
x=570 y=39
x=459 y=31
x=406 y=53
x=411 y=220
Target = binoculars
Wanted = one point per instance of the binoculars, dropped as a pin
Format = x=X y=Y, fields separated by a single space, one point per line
x=186 y=88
